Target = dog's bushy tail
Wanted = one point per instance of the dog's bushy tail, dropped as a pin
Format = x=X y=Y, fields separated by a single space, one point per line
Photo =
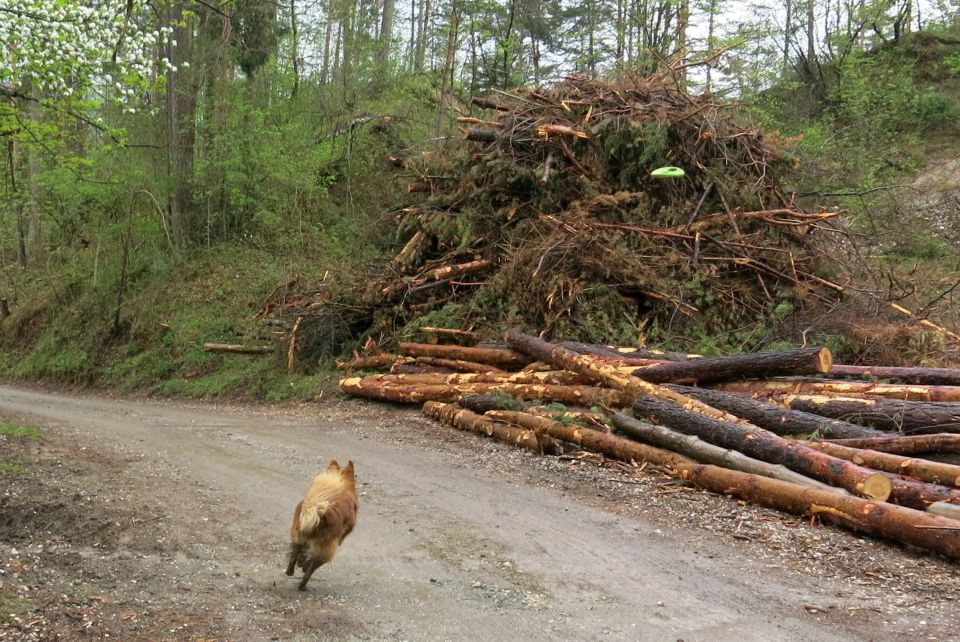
x=326 y=488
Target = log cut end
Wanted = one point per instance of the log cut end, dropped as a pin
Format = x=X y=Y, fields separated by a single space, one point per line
x=824 y=360
x=877 y=487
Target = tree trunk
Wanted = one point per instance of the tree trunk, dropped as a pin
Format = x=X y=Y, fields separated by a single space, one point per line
x=778 y=420
x=766 y=446
x=295 y=45
x=933 y=472
x=907 y=445
x=386 y=32
x=448 y=66
x=414 y=393
x=466 y=420
x=694 y=447
x=13 y=156
x=632 y=387
x=505 y=358
x=746 y=366
x=372 y=362
x=844 y=389
x=552 y=378
x=459 y=365
x=922 y=376
x=181 y=113
x=232 y=347
x=914 y=417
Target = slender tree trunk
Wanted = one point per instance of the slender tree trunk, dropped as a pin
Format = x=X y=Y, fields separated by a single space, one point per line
x=181 y=112
x=13 y=152
x=448 y=65
x=295 y=44
x=386 y=31
x=787 y=34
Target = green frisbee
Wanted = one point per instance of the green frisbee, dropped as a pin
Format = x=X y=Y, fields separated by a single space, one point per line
x=667 y=172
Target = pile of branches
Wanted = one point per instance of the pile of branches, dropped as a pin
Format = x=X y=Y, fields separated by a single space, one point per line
x=787 y=430
x=546 y=215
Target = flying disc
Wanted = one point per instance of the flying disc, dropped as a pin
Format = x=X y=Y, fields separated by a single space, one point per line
x=667 y=172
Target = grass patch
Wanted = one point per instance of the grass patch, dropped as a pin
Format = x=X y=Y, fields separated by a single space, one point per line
x=12 y=468
x=10 y=429
x=12 y=606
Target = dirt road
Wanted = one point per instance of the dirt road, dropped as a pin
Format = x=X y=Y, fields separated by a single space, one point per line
x=161 y=520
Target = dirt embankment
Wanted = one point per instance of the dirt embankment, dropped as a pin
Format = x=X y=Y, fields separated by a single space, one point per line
x=156 y=521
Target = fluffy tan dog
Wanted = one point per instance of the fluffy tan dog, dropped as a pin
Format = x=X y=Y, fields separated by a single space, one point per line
x=322 y=519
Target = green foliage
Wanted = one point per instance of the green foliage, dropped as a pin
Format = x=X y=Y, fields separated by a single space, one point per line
x=16 y=431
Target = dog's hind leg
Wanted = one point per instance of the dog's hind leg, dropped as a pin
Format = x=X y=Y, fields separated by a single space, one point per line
x=292 y=558
x=313 y=565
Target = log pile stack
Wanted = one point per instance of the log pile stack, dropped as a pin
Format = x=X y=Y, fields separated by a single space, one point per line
x=771 y=428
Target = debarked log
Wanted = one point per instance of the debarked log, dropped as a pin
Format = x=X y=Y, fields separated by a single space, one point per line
x=843 y=389
x=907 y=444
x=934 y=472
x=913 y=417
x=922 y=376
x=631 y=386
x=766 y=446
x=551 y=378
x=495 y=356
x=373 y=362
x=459 y=365
x=744 y=366
x=777 y=419
x=418 y=393
x=465 y=420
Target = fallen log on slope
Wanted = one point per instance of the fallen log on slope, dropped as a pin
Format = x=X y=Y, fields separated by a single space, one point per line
x=373 y=362
x=914 y=417
x=414 y=393
x=466 y=420
x=744 y=366
x=907 y=444
x=236 y=348
x=922 y=376
x=779 y=420
x=766 y=446
x=931 y=532
x=459 y=365
x=549 y=378
x=933 y=472
x=843 y=389
x=494 y=356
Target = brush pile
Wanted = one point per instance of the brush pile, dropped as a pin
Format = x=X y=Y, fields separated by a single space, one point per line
x=544 y=214
x=767 y=428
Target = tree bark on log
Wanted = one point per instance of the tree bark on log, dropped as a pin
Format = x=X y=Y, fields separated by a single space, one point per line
x=905 y=525
x=551 y=378
x=933 y=472
x=494 y=356
x=486 y=103
x=459 y=365
x=907 y=444
x=745 y=366
x=776 y=419
x=479 y=134
x=240 y=349
x=922 y=376
x=707 y=453
x=913 y=417
x=643 y=354
x=418 y=393
x=465 y=420
x=448 y=332
x=372 y=362
x=587 y=438
x=764 y=445
x=436 y=275
x=631 y=386
x=844 y=389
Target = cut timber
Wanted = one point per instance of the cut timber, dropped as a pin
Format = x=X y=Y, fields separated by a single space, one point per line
x=466 y=420
x=632 y=387
x=744 y=366
x=479 y=134
x=437 y=275
x=485 y=403
x=459 y=365
x=448 y=332
x=551 y=378
x=764 y=445
x=907 y=444
x=922 y=376
x=844 y=389
x=232 y=347
x=914 y=417
x=493 y=356
x=907 y=526
x=486 y=103
x=414 y=393
x=934 y=472
x=419 y=186
x=372 y=362
x=776 y=419
x=410 y=254
x=587 y=438
x=694 y=447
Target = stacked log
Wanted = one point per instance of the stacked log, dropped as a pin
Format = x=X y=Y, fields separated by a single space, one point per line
x=795 y=452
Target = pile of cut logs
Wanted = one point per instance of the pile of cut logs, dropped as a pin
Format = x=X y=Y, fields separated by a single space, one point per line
x=768 y=428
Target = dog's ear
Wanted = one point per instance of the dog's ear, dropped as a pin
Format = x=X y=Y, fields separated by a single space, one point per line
x=348 y=471
x=334 y=465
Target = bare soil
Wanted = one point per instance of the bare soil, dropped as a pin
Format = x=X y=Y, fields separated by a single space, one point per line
x=148 y=520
